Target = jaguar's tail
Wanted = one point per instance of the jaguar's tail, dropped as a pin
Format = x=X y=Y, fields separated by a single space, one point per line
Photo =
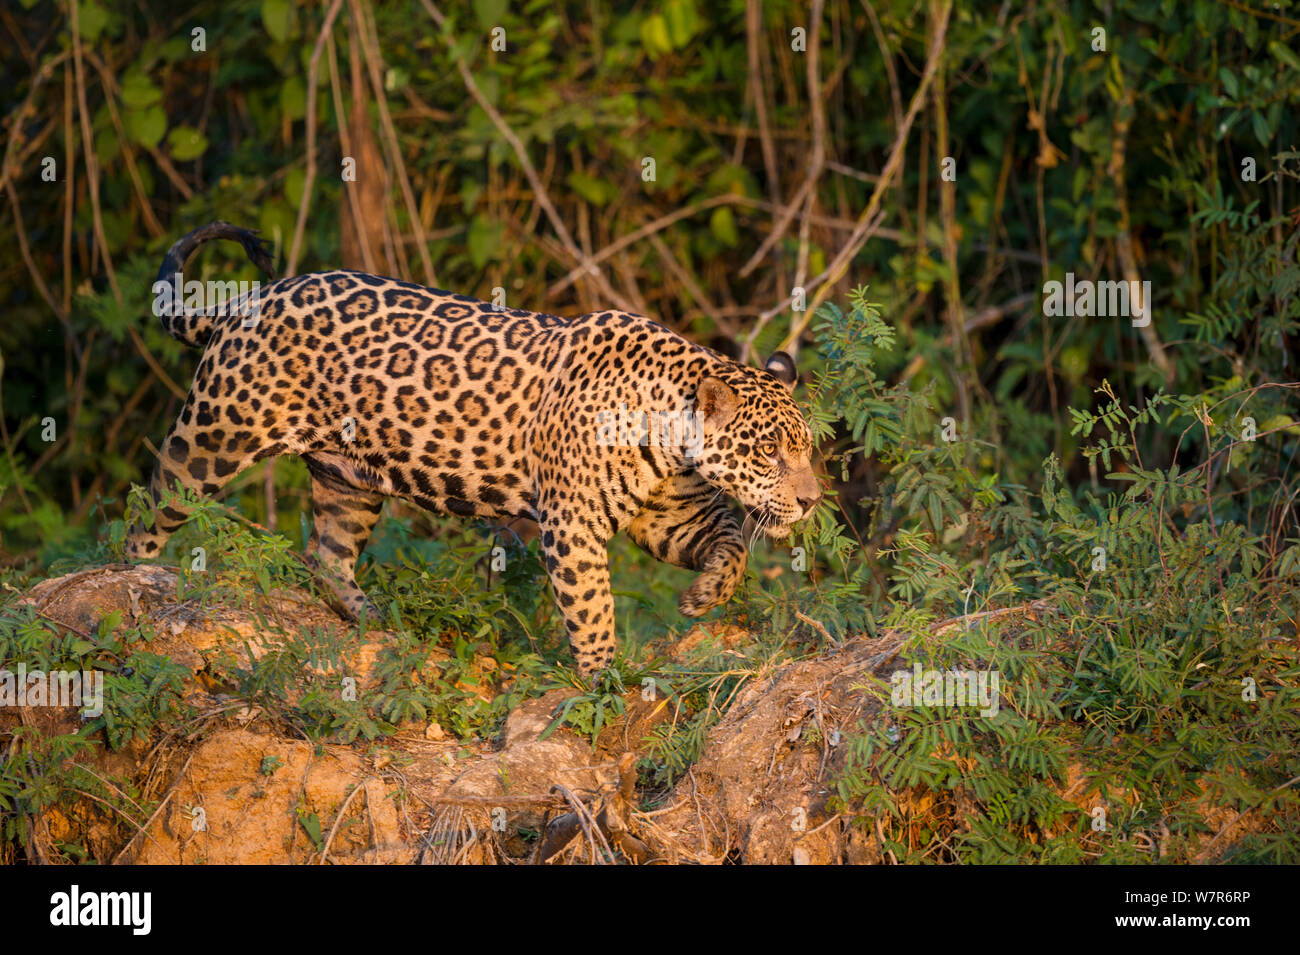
x=193 y=323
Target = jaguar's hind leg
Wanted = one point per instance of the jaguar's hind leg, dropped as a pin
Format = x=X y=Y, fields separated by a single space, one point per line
x=342 y=518
x=686 y=522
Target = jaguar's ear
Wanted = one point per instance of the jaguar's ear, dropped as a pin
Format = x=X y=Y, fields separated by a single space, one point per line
x=715 y=402
x=781 y=367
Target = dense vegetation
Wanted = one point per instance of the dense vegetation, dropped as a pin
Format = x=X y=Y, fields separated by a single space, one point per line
x=919 y=169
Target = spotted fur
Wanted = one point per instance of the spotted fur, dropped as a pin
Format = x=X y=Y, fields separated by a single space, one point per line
x=388 y=389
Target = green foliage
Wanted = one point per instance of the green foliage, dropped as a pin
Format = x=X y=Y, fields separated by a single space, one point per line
x=848 y=392
x=1161 y=672
x=589 y=710
x=140 y=691
x=979 y=453
x=310 y=823
x=1181 y=99
x=1135 y=679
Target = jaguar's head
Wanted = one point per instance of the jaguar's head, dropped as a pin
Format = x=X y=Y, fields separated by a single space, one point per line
x=755 y=445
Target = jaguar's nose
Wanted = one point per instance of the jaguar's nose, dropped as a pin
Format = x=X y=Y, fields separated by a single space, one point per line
x=808 y=503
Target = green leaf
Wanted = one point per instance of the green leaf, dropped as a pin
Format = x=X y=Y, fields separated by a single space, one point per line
x=138 y=91
x=146 y=126
x=293 y=97
x=484 y=237
x=1284 y=54
x=311 y=825
x=186 y=143
x=275 y=15
x=110 y=622
x=654 y=36
x=723 y=226
x=91 y=20
x=489 y=12
x=1260 y=125
x=1229 y=81
x=682 y=20
x=176 y=49
x=595 y=191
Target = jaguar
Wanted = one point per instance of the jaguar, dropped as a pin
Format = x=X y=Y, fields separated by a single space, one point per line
x=389 y=389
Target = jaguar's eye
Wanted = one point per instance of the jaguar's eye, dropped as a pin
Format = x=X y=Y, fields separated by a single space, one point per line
x=767 y=450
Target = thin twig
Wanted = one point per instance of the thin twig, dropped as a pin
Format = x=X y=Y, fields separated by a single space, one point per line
x=839 y=266
x=325 y=848
x=309 y=178
x=804 y=192
x=816 y=625
x=586 y=265
x=161 y=805
x=370 y=49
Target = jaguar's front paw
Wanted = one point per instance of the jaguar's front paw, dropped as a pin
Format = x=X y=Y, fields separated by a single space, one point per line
x=708 y=591
x=592 y=662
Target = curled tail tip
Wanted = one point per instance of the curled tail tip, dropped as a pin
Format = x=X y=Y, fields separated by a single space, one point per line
x=255 y=246
x=195 y=329
x=257 y=250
